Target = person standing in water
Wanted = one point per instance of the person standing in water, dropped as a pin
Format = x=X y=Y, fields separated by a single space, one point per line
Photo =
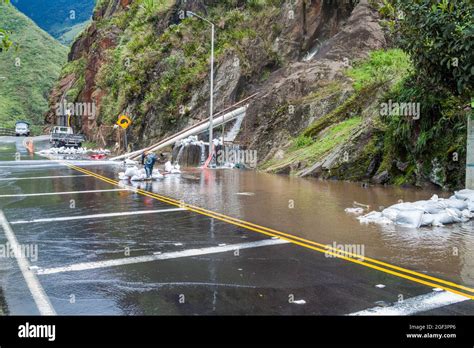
x=148 y=160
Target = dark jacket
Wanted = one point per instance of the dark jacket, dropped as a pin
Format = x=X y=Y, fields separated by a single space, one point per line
x=150 y=160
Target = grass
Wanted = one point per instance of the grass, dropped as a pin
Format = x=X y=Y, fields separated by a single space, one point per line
x=381 y=66
x=308 y=149
x=30 y=70
x=302 y=141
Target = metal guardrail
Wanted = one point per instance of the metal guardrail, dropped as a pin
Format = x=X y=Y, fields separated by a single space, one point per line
x=7 y=132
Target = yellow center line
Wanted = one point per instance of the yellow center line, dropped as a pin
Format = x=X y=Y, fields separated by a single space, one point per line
x=327 y=249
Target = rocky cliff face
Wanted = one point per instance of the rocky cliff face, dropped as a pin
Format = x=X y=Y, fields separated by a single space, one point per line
x=297 y=28
x=146 y=60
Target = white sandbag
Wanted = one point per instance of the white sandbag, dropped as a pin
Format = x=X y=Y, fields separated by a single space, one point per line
x=427 y=220
x=470 y=206
x=466 y=213
x=465 y=194
x=374 y=217
x=409 y=218
x=442 y=219
x=356 y=211
x=407 y=206
x=136 y=178
x=132 y=171
x=157 y=175
x=435 y=211
x=455 y=203
x=172 y=169
x=390 y=213
x=434 y=207
x=454 y=213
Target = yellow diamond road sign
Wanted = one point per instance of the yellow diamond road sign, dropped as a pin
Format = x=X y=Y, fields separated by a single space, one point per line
x=124 y=121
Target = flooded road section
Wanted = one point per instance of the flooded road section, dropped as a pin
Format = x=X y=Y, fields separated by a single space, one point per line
x=98 y=248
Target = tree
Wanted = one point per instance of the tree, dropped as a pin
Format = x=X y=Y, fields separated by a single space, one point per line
x=5 y=41
x=439 y=36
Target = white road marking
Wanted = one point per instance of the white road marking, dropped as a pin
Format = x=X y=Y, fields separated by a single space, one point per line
x=44 y=177
x=39 y=295
x=416 y=304
x=97 y=216
x=166 y=256
x=60 y=193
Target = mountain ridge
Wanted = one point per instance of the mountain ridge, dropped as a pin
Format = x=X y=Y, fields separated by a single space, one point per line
x=60 y=18
x=29 y=68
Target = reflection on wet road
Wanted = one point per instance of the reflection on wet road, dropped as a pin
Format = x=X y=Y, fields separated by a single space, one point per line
x=183 y=262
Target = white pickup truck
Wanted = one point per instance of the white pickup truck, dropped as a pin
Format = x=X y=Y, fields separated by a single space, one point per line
x=22 y=128
x=64 y=136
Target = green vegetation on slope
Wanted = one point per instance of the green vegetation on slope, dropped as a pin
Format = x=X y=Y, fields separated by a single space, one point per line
x=381 y=67
x=434 y=145
x=156 y=71
x=307 y=149
x=28 y=72
x=439 y=36
x=5 y=42
x=383 y=70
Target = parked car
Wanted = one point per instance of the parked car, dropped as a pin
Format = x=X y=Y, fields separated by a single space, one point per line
x=22 y=128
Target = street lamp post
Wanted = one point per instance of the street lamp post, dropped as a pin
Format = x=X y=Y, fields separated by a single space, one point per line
x=211 y=97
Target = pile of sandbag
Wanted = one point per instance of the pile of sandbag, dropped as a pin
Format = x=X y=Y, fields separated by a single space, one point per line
x=135 y=174
x=72 y=151
x=172 y=169
x=433 y=212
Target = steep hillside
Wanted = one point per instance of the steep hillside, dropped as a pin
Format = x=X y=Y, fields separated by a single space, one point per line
x=143 y=57
x=28 y=70
x=322 y=69
x=62 y=19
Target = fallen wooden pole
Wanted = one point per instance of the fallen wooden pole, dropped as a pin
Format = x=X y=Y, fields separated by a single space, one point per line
x=136 y=154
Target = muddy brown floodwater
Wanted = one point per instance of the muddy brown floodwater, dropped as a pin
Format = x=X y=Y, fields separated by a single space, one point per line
x=314 y=209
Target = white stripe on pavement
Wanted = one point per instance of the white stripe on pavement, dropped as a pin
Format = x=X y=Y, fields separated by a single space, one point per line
x=60 y=193
x=418 y=304
x=41 y=299
x=97 y=216
x=44 y=177
x=166 y=256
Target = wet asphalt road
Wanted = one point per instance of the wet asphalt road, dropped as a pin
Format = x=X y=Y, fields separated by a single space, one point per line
x=274 y=279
